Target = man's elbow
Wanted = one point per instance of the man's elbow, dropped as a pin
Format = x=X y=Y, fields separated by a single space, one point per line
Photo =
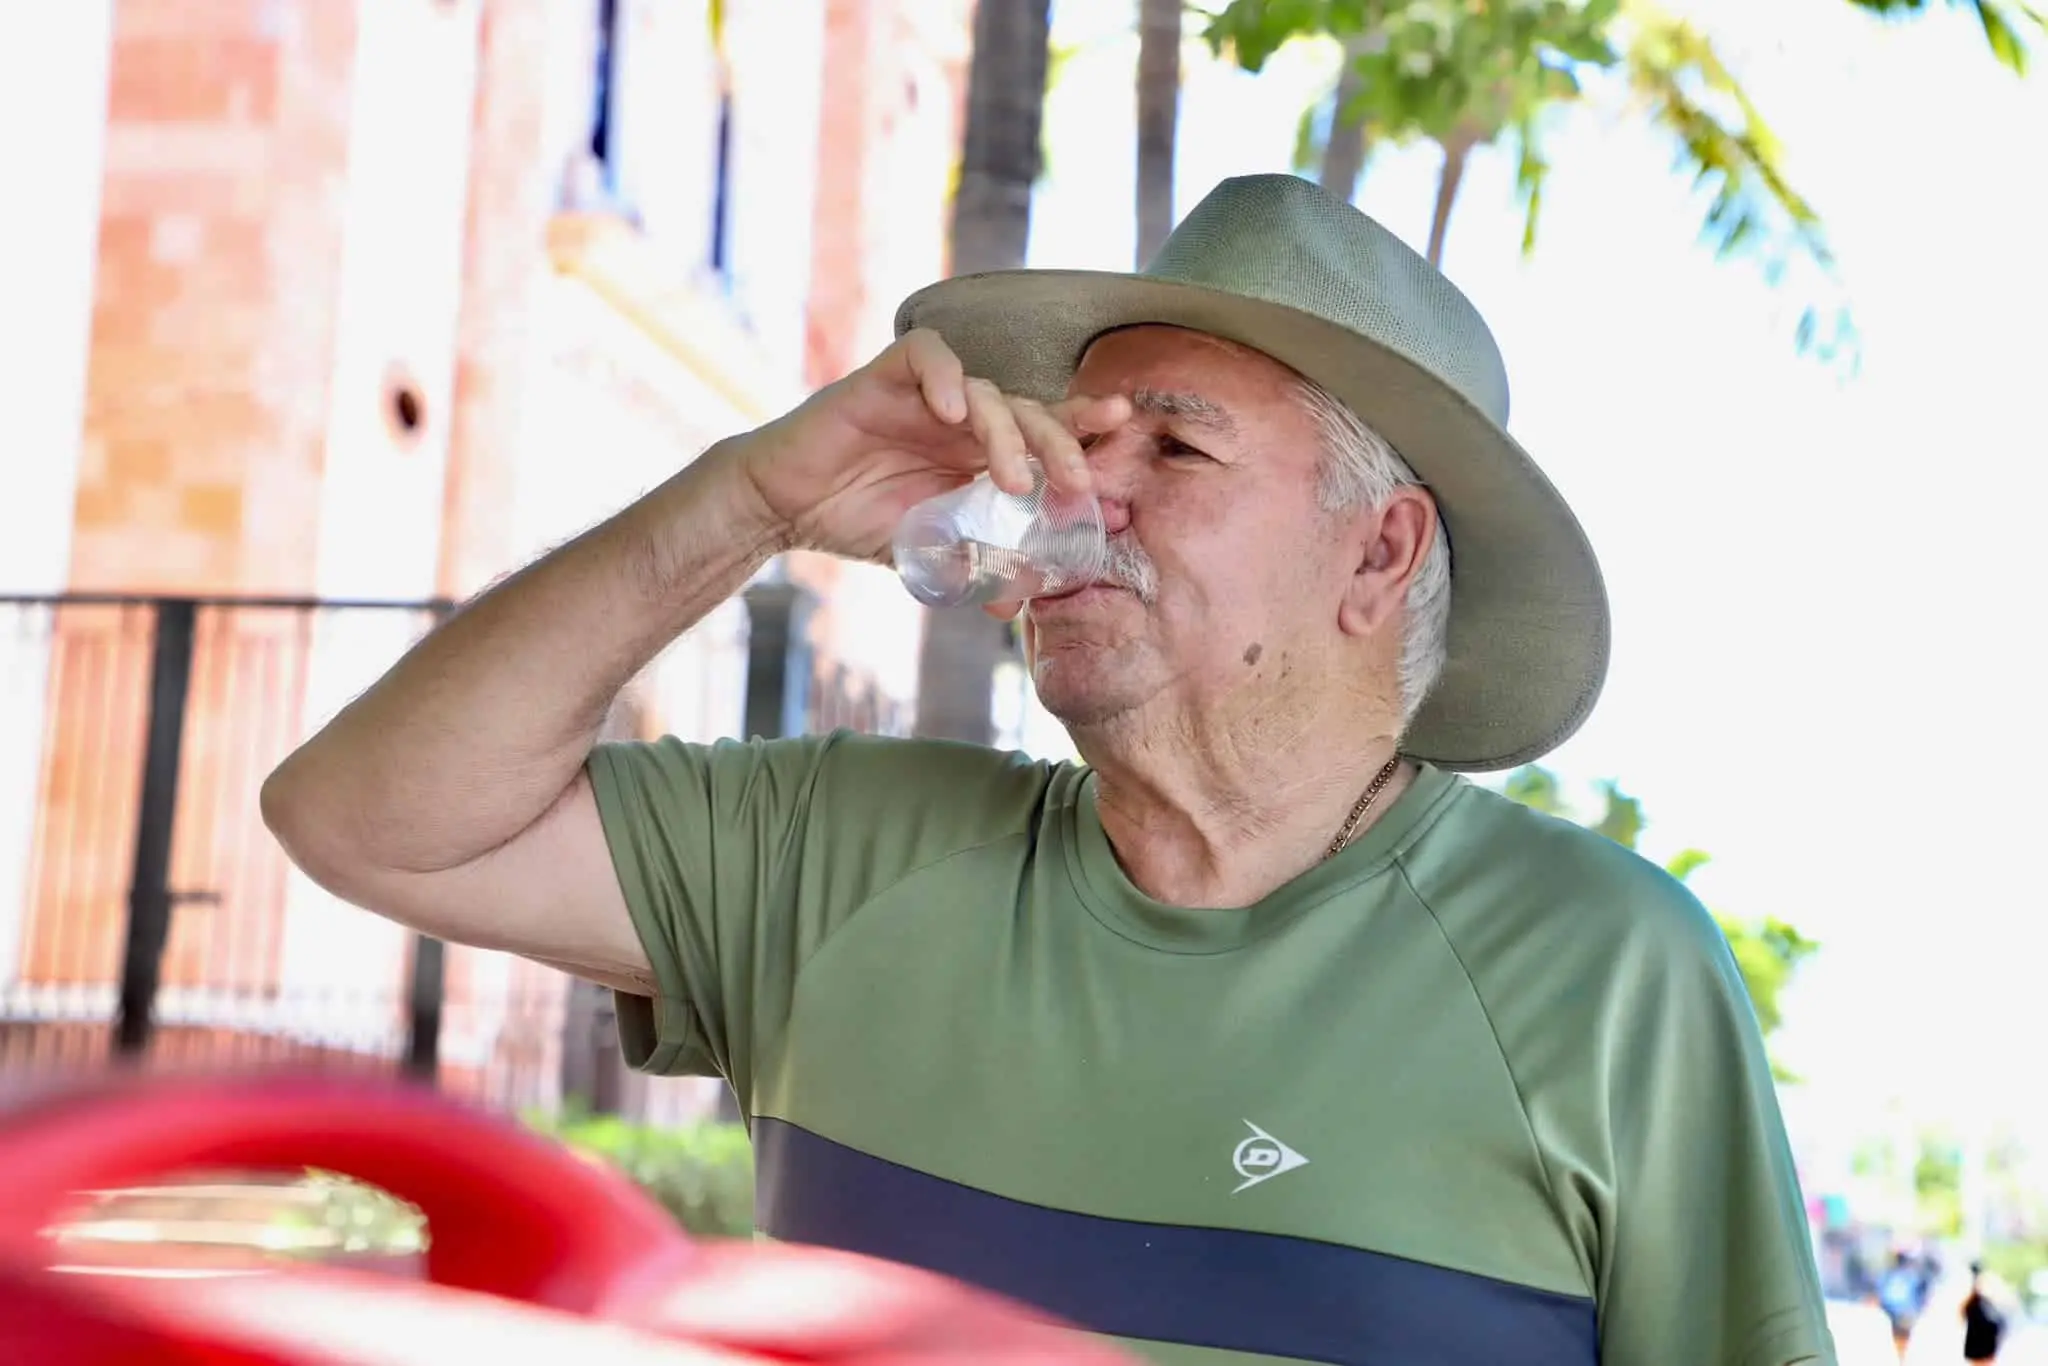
x=307 y=811
x=281 y=799
x=292 y=810
x=280 y=804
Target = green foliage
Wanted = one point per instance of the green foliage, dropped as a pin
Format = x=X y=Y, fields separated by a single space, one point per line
x=703 y=1174
x=1938 y=1186
x=1468 y=73
x=2006 y=24
x=1534 y=785
x=1308 y=142
x=1432 y=68
x=362 y=1218
x=1621 y=816
x=2017 y=1264
x=341 y=1215
x=1768 y=951
x=1931 y=1166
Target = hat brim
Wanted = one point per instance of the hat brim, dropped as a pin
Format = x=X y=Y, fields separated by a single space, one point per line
x=1529 y=624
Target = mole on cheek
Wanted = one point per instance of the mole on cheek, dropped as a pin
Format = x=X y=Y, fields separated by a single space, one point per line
x=1253 y=651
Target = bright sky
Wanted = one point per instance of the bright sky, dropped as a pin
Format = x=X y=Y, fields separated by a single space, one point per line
x=1829 y=666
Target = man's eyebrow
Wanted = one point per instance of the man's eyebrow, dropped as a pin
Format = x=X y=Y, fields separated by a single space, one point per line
x=1188 y=407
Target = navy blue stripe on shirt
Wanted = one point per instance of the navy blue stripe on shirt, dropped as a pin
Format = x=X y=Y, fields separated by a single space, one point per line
x=1206 y=1287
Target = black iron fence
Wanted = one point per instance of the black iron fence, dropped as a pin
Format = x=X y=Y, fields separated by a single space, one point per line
x=146 y=915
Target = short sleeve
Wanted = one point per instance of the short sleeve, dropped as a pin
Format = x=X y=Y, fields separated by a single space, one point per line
x=737 y=859
x=1706 y=1257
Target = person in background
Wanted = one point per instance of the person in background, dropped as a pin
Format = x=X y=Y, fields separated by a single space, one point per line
x=1902 y=1294
x=1983 y=1321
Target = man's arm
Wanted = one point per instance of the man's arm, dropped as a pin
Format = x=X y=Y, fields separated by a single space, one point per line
x=451 y=795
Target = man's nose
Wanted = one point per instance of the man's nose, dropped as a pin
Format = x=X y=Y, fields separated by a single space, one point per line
x=1111 y=459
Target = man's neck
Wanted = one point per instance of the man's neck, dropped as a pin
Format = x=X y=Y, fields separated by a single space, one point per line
x=1224 y=820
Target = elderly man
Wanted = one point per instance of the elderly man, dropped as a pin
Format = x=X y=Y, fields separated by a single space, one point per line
x=1261 y=1036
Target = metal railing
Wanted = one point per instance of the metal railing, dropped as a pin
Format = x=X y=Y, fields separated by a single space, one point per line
x=145 y=915
x=148 y=918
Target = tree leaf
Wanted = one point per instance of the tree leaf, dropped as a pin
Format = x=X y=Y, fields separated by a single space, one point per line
x=1535 y=786
x=1686 y=862
x=2001 y=20
x=1621 y=818
x=1532 y=172
x=2006 y=43
x=1308 y=140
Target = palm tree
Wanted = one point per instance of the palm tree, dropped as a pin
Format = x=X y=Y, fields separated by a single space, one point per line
x=1159 y=39
x=1343 y=156
x=2004 y=22
x=1001 y=156
x=1000 y=162
x=1464 y=77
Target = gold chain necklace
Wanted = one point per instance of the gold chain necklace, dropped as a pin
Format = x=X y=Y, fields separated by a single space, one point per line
x=1363 y=805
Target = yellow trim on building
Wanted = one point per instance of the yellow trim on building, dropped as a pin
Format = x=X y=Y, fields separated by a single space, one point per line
x=609 y=256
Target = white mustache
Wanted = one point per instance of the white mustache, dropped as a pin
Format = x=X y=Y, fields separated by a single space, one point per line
x=1130 y=567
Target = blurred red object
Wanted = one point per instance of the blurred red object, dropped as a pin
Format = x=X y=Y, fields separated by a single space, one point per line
x=533 y=1251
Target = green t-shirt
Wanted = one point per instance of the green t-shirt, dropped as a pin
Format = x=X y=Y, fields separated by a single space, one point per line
x=1483 y=1090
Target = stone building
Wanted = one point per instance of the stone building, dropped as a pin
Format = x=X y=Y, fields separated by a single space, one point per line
x=330 y=302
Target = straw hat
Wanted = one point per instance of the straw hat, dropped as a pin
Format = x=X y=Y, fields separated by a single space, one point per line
x=1275 y=263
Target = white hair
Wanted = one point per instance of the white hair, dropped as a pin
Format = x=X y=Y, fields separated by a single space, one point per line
x=1360 y=469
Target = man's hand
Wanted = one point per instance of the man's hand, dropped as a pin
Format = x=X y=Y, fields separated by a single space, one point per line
x=842 y=469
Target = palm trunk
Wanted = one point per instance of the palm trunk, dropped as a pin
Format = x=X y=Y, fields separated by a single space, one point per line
x=1456 y=150
x=1344 y=150
x=991 y=227
x=1159 y=38
x=1005 y=114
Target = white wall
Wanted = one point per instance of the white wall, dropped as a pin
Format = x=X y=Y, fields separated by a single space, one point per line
x=777 y=49
x=381 y=495
x=53 y=101
x=665 y=120
x=566 y=92
x=611 y=413
x=910 y=170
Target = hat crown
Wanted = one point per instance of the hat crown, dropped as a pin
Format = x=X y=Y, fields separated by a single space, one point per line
x=1288 y=241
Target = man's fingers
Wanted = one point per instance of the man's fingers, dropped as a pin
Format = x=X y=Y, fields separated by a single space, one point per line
x=1066 y=466
x=940 y=377
x=1002 y=440
x=1011 y=431
x=1092 y=414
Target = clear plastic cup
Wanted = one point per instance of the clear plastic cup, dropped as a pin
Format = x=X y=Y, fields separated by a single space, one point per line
x=979 y=545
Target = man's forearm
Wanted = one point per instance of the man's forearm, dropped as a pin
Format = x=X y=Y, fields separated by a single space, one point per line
x=480 y=728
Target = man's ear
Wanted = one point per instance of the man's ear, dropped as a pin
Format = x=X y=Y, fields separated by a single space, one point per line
x=1389 y=552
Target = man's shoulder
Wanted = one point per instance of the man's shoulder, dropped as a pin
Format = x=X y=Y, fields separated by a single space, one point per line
x=826 y=819
x=918 y=760
x=920 y=769
x=949 y=790
x=1528 y=873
